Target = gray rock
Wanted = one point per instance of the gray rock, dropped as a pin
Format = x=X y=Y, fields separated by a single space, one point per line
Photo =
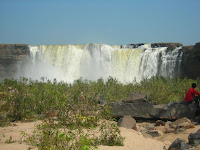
x=136 y=109
x=135 y=97
x=140 y=108
x=180 y=130
x=194 y=139
x=182 y=123
x=178 y=144
x=154 y=133
x=127 y=122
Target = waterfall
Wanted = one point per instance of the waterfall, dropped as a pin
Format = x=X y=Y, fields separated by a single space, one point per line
x=93 y=61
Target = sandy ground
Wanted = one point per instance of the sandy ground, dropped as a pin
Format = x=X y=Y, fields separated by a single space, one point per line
x=134 y=140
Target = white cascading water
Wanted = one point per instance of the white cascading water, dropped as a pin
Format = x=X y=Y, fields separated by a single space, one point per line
x=93 y=61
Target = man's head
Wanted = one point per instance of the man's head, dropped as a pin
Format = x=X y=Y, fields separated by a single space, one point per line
x=194 y=85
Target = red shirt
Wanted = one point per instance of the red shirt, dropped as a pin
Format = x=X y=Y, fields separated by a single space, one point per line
x=190 y=94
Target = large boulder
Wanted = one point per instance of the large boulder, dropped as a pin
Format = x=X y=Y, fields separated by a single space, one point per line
x=141 y=108
x=127 y=122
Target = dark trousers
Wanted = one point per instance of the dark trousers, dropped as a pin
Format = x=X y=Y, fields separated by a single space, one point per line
x=196 y=99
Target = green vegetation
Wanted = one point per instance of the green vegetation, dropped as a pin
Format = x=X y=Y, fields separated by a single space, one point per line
x=68 y=110
x=10 y=140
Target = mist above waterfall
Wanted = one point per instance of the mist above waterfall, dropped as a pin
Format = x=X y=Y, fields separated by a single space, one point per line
x=93 y=61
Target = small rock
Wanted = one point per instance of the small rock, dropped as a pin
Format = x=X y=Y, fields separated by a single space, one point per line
x=178 y=144
x=146 y=135
x=154 y=133
x=169 y=130
x=180 y=130
x=176 y=123
x=149 y=126
x=127 y=122
x=185 y=125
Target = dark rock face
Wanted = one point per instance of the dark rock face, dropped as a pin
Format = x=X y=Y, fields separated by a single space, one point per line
x=139 y=108
x=12 y=55
x=191 y=61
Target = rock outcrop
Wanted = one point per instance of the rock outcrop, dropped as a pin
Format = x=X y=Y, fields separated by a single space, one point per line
x=12 y=55
x=170 y=46
x=191 y=61
x=141 y=108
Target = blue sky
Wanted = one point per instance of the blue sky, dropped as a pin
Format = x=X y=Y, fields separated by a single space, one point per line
x=111 y=22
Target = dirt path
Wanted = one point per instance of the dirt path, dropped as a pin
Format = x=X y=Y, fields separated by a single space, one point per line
x=14 y=132
x=134 y=140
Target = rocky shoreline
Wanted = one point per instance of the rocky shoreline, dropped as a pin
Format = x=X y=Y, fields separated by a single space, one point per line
x=167 y=118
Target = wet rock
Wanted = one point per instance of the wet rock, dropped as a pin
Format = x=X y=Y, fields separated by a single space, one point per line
x=127 y=122
x=178 y=144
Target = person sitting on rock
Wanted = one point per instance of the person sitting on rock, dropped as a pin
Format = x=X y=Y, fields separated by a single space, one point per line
x=191 y=95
